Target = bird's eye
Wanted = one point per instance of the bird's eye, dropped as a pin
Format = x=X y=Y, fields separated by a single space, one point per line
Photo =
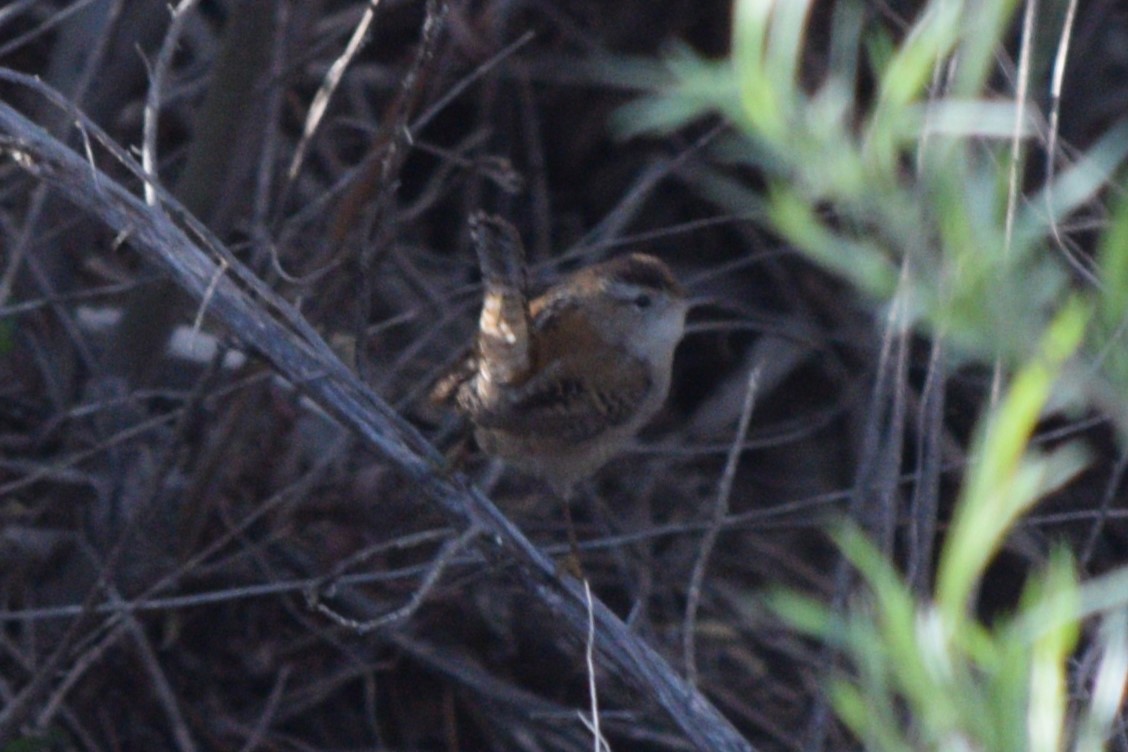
x=642 y=301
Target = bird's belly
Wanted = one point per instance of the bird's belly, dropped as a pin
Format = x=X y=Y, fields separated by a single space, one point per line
x=560 y=462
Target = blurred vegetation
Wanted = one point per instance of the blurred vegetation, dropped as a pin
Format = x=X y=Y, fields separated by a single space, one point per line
x=916 y=195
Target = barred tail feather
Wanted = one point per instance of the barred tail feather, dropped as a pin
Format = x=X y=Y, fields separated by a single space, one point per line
x=503 y=329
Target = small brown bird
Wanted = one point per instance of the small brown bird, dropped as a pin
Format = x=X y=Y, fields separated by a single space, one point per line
x=557 y=386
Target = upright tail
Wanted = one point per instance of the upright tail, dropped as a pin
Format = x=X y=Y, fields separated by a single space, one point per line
x=503 y=329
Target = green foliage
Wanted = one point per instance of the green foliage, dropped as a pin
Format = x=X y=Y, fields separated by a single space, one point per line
x=966 y=686
x=908 y=187
x=1109 y=336
x=969 y=686
x=914 y=192
x=1007 y=478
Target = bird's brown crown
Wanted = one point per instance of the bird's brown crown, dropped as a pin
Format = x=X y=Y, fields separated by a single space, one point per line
x=641 y=270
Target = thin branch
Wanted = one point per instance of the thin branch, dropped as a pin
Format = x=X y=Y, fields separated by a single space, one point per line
x=43 y=28
x=593 y=725
x=254 y=739
x=925 y=502
x=1057 y=81
x=1022 y=87
x=435 y=570
x=164 y=691
x=1101 y=513
x=479 y=72
x=709 y=541
x=153 y=98
x=325 y=92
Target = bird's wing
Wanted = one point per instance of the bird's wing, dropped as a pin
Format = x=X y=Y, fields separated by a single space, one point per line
x=444 y=391
x=569 y=407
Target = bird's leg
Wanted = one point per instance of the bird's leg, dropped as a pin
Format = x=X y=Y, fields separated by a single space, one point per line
x=572 y=562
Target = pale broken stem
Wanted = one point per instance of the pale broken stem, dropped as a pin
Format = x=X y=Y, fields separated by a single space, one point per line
x=599 y=743
x=325 y=92
x=1022 y=87
x=438 y=565
x=1061 y=57
x=709 y=540
x=198 y=321
x=153 y=98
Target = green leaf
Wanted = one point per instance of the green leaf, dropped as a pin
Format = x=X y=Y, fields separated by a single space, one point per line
x=1049 y=693
x=1002 y=483
x=1080 y=182
x=859 y=261
x=807 y=615
x=1108 y=689
x=764 y=101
